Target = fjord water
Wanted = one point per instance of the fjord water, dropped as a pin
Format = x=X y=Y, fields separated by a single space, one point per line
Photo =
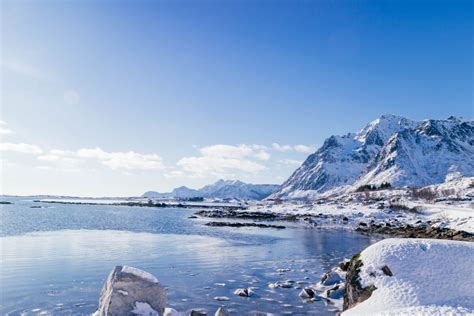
x=55 y=259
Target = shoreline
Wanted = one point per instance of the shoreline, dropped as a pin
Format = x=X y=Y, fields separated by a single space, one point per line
x=381 y=228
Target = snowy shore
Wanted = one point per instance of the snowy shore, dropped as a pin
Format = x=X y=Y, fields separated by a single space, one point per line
x=453 y=208
x=408 y=276
x=426 y=277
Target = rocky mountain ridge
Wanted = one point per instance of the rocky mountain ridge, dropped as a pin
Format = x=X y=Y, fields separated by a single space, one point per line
x=390 y=149
x=224 y=189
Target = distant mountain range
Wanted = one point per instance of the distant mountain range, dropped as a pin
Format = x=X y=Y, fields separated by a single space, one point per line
x=390 y=149
x=224 y=189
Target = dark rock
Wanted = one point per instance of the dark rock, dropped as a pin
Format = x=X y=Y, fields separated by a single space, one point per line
x=336 y=292
x=245 y=292
x=354 y=293
x=226 y=213
x=387 y=271
x=232 y=224
x=307 y=292
x=344 y=265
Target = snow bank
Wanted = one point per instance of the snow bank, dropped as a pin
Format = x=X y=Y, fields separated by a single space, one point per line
x=431 y=277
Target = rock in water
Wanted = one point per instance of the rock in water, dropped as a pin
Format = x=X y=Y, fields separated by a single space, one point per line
x=172 y=312
x=331 y=278
x=307 y=293
x=245 y=292
x=131 y=291
x=222 y=311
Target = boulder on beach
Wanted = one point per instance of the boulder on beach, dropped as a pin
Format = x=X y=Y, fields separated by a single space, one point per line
x=131 y=291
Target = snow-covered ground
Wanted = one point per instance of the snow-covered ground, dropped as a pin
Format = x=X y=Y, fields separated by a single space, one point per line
x=430 y=277
x=453 y=208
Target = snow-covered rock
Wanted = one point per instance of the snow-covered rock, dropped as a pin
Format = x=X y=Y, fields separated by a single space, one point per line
x=331 y=286
x=131 y=291
x=427 y=277
x=307 y=292
x=281 y=284
x=222 y=311
x=390 y=149
x=245 y=292
x=172 y=312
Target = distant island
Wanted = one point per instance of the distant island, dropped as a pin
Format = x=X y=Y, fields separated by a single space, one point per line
x=222 y=189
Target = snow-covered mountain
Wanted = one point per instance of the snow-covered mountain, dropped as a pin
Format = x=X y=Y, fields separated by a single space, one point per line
x=224 y=189
x=389 y=149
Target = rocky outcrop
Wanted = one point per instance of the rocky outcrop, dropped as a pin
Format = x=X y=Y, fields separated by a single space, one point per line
x=354 y=293
x=421 y=230
x=131 y=291
x=220 y=213
x=233 y=224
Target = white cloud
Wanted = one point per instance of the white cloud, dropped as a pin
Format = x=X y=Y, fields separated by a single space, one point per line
x=174 y=174
x=3 y=129
x=297 y=148
x=304 y=149
x=282 y=148
x=20 y=148
x=290 y=162
x=114 y=160
x=239 y=151
x=123 y=160
x=133 y=161
x=63 y=157
x=224 y=160
x=92 y=153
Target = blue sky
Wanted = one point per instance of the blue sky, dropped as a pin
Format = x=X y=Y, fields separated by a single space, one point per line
x=119 y=97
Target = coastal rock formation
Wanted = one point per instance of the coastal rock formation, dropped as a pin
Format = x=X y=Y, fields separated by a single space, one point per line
x=354 y=292
x=398 y=276
x=233 y=224
x=130 y=291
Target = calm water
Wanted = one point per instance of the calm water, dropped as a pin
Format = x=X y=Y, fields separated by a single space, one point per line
x=54 y=260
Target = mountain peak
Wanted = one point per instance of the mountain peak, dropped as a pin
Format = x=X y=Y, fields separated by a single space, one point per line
x=379 y=130
x=389 y=149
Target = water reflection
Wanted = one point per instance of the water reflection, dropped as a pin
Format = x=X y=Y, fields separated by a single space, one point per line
x=46 y=268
